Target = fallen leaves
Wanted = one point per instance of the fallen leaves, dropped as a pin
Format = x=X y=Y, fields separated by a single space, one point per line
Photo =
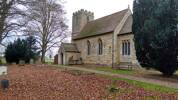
x=46 y=83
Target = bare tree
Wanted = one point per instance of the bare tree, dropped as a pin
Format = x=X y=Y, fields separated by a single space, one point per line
x=10 y=14
x=46 y=21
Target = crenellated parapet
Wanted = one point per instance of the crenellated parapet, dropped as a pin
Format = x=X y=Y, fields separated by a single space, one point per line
x=80 y=19
x=82 y=11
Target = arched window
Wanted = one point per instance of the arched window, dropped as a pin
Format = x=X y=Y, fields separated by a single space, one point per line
x=100 y=47
x=126 y=47
x=88 y=47
x=123 y=47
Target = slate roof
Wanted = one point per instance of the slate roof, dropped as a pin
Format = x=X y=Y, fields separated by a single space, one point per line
x=70 y=47
x=127 y=28
x=102 y=25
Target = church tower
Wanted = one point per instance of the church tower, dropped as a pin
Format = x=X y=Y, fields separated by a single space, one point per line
x=80 y=19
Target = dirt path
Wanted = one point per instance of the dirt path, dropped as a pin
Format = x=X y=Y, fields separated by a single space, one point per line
x=153 y=81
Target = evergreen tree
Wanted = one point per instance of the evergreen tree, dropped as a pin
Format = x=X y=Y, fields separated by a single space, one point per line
x=32 y=49
x=21 y=50
x=156 y=35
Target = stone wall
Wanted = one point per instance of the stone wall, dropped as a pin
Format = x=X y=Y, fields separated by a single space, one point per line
x=56 y=59
x=61 y=55
x=106 y=58
x=66 y=56
x=73 y=55
x=126 y=58
x=94 y=57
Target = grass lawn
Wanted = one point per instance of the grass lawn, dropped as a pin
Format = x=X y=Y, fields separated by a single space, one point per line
x=146 y=86
x=109 y=69
x=149 y=86
x=49 y=61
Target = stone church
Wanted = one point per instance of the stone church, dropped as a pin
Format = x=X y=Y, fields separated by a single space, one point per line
x=104 y=41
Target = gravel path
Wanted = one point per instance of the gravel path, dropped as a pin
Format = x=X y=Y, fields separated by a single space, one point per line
x=153 y=81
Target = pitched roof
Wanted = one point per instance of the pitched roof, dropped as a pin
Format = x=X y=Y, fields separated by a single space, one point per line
x=102 y=25
x=69 y=47
x=127 y=28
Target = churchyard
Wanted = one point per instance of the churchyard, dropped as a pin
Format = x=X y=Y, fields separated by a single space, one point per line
x=48 y=82
x=144 y=37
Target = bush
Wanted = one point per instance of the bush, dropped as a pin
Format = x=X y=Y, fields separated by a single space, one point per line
x=21 y=50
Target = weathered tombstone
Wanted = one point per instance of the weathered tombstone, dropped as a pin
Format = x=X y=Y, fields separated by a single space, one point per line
x=31 y=61
x=4 y=82
x=3 y=70
x=14 y=64
x=21 y=62
x=38 y=61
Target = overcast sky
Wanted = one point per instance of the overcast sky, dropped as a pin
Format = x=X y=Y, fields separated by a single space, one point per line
x=99 y=7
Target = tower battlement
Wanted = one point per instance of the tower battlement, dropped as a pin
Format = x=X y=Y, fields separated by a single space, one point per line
x=80 y=19
x=82 y=11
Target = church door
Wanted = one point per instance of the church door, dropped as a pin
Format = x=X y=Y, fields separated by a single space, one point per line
x=62 y=59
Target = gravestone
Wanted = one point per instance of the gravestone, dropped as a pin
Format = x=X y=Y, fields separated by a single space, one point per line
x=4 y=82
x=21 y=62
x=32 y=61
x=3 y=70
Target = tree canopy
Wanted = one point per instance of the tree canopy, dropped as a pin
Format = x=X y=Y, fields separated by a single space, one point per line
x=46 y=21
x=43 y=19
x=24 y=49
x=156 y=34
x=10 y=18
